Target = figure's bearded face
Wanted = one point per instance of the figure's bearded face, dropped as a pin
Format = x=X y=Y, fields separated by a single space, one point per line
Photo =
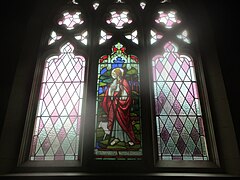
x=114 y=75
x=117 y=72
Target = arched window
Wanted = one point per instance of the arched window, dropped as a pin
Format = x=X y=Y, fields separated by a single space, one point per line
x=120 y=118
x=56 y=131
x=118 y=84
x=118 y=106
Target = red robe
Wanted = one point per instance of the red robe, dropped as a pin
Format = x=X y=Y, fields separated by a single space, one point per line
x=119 y=110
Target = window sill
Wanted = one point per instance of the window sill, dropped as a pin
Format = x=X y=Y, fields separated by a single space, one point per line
x=109 y=175
x=186 y=164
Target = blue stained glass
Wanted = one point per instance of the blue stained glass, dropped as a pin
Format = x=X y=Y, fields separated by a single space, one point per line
x=101 y=90
x=103 y=71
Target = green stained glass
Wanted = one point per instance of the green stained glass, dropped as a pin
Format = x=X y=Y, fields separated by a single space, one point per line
x=118 y=123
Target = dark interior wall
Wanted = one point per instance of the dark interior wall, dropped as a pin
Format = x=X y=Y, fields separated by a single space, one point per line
x=18 y=15
x=223 y=17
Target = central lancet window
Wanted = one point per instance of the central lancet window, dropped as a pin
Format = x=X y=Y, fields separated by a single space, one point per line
x=118 y=123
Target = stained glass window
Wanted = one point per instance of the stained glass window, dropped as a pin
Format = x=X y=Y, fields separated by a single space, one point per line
x=74 y=2
x=133 y=36
x=54 y=38
x=82 y=37
x=104 y=36
x=142 y=4
x=117 y=133
x=155 y=36
x=95 y=5
x=167 y=19
x=165 y=1
x=184 y=36
x=179 y=120
x=119 y=1
x=70 y=20
x=118 y=126
x=119 y=19
x=58 y=117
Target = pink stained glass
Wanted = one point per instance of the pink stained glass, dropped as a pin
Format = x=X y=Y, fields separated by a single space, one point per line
x=119 y=19
x=168 y=19
x=70 y=20
x=177 y=105
x=155 y=36
x=56 y=132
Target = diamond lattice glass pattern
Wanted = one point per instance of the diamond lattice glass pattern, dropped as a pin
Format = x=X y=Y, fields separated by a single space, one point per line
x=179 y=120
x=57 y=125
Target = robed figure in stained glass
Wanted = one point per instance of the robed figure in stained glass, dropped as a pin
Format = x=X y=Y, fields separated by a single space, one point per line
x=118 y=122
x=116 y=103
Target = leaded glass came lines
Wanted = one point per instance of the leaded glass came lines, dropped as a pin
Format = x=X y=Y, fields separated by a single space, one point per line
x=70 y=20
x=57 y=125
x=118 y=123
x=180 y=130
x=168 y=19
x=119 y=19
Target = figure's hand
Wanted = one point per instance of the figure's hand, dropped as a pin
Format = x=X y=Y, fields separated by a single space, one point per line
x=113 y=86
x=121 y=87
